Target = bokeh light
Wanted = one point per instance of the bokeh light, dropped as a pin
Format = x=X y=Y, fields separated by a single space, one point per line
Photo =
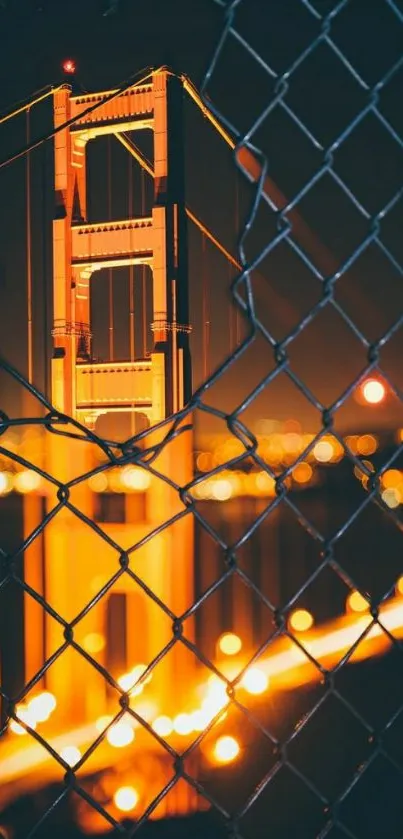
x=226 y=749
x=125 y=799
x=356 y=602
x=373 y=391
x=301 y=620
x=71 y=755
x=229 y=643
x=255 y=680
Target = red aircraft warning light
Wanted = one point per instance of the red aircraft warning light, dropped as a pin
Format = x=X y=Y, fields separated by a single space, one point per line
x=69 y=66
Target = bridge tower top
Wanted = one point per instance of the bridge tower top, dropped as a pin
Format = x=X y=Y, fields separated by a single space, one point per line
x=160 y=385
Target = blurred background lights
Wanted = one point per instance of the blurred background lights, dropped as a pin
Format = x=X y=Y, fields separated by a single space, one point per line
x=391 y=497
x=71 y=755
x=134 y=478
x=183 y=724
x=226 y=749
x=27 y=481
x=373 y=391
x=119 y=735
x=356 y=602
x=301 y=620
x=41 y=706
x=6 y=482
x=125 y=799
x=323 y=451
x=163 y=726
x=229 y=643
x=98 y=482
x=255 y=680
x=94 y=642
x=25 y=716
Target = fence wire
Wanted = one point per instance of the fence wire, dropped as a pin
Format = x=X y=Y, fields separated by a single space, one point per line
x=332 y=812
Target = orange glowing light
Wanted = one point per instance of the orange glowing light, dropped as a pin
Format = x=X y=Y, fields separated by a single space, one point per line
x=367 y=444
x=399 y=585
x=373 y=391
x=357 y=603
x=94 y=642
x=391 y=478
x=27 y=481
x=255 y=681
x=226 y=749
x=69 y=66
x=229 y=643
x=301 y=620
x=302 y=473
x=125 y=799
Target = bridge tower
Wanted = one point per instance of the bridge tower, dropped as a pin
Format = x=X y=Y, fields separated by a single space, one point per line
x=162 y=385
x=76 y=559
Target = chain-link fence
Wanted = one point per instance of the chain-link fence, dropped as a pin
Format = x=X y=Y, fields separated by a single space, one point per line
x=246 y=720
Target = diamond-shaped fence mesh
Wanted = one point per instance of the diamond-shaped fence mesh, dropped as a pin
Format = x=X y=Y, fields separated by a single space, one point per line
x=263 y=706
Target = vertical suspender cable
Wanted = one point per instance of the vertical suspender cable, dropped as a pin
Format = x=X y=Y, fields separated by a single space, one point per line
x=237 y=227
x=144 y=269
x=29 y=248
x=110 y=274
x=131 y=268
x=131 y=294
x=205 y=310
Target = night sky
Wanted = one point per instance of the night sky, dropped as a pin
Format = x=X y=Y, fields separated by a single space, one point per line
x=35 y=37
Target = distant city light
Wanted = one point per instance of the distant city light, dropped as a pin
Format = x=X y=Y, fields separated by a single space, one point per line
x=301 y=620
x=6 y=482
x=391 y=478
x=71 y=755
x=163 y=726
x=41 y=706
x=27 y=481
x=98 y=482
x=183 y=724
x=222 y=489
x=255 y=681
x=302 y=473
x=69 y=66
x=229 y=643
x=391 y=497
x=125 y=799
x=373 y=391
x=25 y=716
x=119 y=735
x=134 y=478
x=94 y=642
x=356 y=602
x=323 y=451
x=226 y=749
x=367 y=444
x=399 y=585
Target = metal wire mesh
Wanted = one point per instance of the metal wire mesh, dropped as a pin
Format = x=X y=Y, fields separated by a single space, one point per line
x=331 y=815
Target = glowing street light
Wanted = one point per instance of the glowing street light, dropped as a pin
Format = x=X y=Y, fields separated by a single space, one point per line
x=226 y=749
x=229 y=643
x=125 y=799
x=373 y=391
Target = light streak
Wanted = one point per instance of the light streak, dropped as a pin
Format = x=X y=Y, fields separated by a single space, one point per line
x=285 y=668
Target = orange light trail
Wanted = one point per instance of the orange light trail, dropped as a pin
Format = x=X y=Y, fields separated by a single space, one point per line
x=286 y=666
